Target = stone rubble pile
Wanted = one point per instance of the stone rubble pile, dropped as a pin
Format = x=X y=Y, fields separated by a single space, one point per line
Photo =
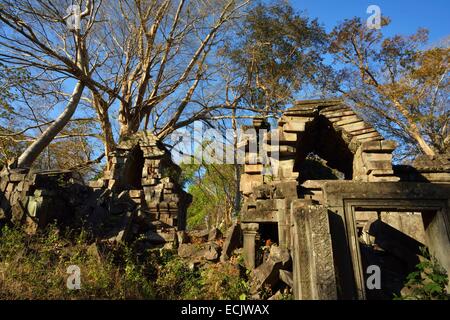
x=138 y=195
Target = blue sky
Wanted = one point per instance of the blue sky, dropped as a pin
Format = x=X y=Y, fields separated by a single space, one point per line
x=407 y=15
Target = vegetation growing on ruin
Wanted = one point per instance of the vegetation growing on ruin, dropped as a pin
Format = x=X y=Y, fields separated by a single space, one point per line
x=428 y=282
x=34 y=267
x=69 y=95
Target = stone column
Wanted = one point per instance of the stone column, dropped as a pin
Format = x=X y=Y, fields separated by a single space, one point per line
x=250 y=230
x=312 y=252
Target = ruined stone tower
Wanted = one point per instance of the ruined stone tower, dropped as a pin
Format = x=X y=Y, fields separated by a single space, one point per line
x=333 y=228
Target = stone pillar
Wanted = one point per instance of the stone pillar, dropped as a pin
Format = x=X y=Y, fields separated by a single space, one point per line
x=312 y=252
x=250 y=230
x=253 y=147
x=283 y=223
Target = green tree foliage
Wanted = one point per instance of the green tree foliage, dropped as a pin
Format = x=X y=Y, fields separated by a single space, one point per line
x=10 y=80
x=277 y=52
x=396 y=82
x=213 y=189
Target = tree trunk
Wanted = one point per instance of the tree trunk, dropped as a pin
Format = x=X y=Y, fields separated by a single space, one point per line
x=421 y=141
x=102 y=110
x=129 y=126
x=34 y=150
x=237 y=168
x=414 y=131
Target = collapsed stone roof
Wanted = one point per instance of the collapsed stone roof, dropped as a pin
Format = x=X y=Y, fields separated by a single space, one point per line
x=353 y=128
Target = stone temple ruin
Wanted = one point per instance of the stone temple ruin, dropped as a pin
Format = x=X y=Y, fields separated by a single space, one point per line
x=336 y=205
x=141 y=167
x=376 y=214
x=138 y=194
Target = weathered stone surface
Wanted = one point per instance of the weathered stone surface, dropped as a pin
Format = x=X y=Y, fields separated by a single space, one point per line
x=182 y=237
x=233 y=240
x=249 y=231
x=248 y=182
x=198 y=235
x=285 y=190
x=213 y=253
x=281 y=255
x=256 y=215
x=199 y=251
x=141 y=169
x=120 y=237
x=394 y=241
x=154 y=237
x=277 y=296
x=214 y=234
x=96 y=184
x=314 y=276
x=267 y=274
x=287 y=278
x=62 y=196
x=253 y=168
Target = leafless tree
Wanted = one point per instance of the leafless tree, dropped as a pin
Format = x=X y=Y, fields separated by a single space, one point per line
x=141 y=60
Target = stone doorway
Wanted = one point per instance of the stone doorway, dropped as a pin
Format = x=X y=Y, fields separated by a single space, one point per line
x=132 y=177
x=392 y=238
x=322 y=153
x=267 y=236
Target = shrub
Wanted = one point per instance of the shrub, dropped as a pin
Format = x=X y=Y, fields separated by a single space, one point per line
x=177 y=281
x=223 y=282
x=428 y=282
x=34 y=267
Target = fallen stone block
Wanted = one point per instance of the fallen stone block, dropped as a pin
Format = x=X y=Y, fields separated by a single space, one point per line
x=233 y=240
x=154 y=237
x=198 y=235
x=281 y=255
x=214 y=234
x=197 y=252
x=287 y=277
x=120 y=237
x=394 y=241
x=268 y=273
x=277 y=296
x=212 y=254
x=182 y=237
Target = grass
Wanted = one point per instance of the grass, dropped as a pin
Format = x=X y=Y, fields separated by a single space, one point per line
x=35 y=267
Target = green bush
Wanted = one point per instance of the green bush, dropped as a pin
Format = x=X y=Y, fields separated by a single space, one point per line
x=223 y=281
x=177 y=281
x=428 y=282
